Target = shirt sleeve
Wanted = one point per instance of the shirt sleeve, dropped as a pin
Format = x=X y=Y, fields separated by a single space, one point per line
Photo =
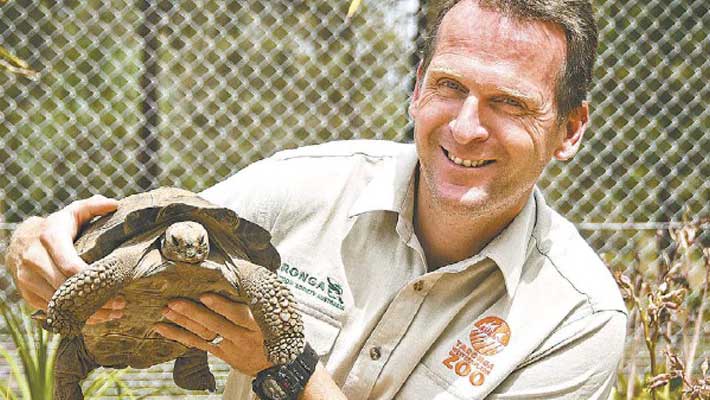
x=255 y=193
x=581 y=363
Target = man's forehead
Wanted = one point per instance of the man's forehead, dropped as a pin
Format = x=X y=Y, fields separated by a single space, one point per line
x=468 y=22
x=470 y=35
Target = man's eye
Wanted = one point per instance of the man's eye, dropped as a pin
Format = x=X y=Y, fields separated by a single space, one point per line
x=511 y=102
x=453 y=85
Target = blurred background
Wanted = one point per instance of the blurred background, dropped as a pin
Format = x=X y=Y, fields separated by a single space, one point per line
x=131 y=95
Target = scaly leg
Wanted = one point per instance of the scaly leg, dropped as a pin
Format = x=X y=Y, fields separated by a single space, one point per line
x=192 y=372
x=72 y=365
x=272 y=306
x=84 y=293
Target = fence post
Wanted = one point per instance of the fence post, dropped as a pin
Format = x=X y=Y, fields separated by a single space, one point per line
x=148 y=134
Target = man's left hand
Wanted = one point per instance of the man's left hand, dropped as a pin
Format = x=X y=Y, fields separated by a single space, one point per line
x=199 y=323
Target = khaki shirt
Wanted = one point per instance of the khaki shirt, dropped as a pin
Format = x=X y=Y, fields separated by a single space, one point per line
x=535 y=314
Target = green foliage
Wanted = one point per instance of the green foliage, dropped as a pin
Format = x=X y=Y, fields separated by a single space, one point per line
x=32 y=378
x=36 y=350
x=656 y=292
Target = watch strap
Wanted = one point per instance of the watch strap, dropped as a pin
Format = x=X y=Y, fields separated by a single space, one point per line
x=291 y=377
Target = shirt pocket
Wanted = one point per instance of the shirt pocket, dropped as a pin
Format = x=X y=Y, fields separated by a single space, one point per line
x=320 y=330
x=424 y=383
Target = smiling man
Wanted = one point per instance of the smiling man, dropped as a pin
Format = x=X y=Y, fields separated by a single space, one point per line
x=433 y=270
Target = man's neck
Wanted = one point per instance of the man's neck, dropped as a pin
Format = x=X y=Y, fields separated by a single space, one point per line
x=448 y=236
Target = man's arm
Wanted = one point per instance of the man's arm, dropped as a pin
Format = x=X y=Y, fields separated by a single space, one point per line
x=41 y=254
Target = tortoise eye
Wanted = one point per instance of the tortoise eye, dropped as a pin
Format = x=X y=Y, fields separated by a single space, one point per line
x=175 y=240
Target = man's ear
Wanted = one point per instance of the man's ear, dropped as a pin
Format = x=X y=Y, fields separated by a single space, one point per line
x=574 y=128
x=417 y=88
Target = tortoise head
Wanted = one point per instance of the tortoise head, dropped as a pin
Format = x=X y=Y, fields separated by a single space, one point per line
x=185 y=241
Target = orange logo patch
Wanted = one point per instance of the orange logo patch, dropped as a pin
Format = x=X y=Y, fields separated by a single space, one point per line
x=488 y=337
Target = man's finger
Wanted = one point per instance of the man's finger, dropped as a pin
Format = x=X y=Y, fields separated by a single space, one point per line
x=238 y=313
x=191 y=340
x=36 y=287
x=103 y=315
x=117 y=303
x=35 y=301
x=84 y=210
x=60 y=246
x=182 y=335
x=62 y=227
x=190 y=324
x=36 y=258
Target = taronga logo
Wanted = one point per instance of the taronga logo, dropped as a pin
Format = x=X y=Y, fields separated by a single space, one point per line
x=327 y=290
x=490 y=335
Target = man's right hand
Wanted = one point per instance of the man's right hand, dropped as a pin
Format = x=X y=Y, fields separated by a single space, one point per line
x=41 y=254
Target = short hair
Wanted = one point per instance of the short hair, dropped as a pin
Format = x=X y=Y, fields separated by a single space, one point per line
x=576 y=17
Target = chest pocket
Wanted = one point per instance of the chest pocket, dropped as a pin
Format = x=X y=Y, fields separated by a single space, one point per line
x=320 y=330
x=423 y=383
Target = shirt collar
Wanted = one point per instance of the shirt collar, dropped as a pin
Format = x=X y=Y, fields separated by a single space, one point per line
x=389 y=189
x=510 y=248
x=392 y=190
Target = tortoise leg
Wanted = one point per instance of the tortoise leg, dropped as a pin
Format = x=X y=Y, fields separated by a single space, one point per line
x=72 y=365
x=273 y=308
x=85 y=292
x=192 y=372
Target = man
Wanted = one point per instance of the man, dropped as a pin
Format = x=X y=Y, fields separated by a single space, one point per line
x=435 y=272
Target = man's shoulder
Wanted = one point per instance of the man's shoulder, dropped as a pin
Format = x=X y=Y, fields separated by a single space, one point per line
x=577 y=264
x=344 y=149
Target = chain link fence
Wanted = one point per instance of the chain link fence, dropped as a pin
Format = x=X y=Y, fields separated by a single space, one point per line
x=135 y=95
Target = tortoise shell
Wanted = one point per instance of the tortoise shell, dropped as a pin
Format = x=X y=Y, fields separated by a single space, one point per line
x=141 y=219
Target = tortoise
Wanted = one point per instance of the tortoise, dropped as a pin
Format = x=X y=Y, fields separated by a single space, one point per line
x=156 y=246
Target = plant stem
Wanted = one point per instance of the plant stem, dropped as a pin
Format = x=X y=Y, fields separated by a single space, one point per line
x=697 y=331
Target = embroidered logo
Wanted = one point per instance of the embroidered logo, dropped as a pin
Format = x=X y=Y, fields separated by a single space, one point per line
x=488 y=337
x=327 y=290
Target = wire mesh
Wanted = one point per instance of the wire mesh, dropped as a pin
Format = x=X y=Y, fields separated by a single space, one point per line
x=135 y=95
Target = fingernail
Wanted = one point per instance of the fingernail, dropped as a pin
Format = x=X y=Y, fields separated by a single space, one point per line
x=119 y=303
x=115 y=314
x=158 y=329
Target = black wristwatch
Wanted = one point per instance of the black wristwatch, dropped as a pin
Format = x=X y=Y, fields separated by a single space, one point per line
x=286 y=382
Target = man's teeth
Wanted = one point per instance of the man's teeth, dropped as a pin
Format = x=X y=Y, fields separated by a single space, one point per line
x=465 y=163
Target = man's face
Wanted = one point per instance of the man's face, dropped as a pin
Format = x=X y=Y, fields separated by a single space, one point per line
x=485 y=113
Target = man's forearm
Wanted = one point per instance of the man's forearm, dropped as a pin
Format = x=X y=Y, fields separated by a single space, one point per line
x=18 y=243
x=321 y=387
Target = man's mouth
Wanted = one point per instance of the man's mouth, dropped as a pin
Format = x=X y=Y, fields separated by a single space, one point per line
x=467 y=163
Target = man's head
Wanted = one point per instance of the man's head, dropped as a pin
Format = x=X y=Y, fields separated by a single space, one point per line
x=492 y=105
x=575 y=17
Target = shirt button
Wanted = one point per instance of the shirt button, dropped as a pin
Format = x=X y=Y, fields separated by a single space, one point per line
x=375 y=353
x=418 y=286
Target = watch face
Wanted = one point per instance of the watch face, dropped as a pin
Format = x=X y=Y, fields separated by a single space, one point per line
x=273 y=389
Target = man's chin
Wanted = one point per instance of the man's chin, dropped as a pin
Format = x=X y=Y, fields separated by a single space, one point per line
x=469 y=203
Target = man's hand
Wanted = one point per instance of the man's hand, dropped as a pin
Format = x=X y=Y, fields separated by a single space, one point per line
x=41 y=255
x=243 y=344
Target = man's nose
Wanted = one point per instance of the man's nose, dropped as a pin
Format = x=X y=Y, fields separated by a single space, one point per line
x=467 y=126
